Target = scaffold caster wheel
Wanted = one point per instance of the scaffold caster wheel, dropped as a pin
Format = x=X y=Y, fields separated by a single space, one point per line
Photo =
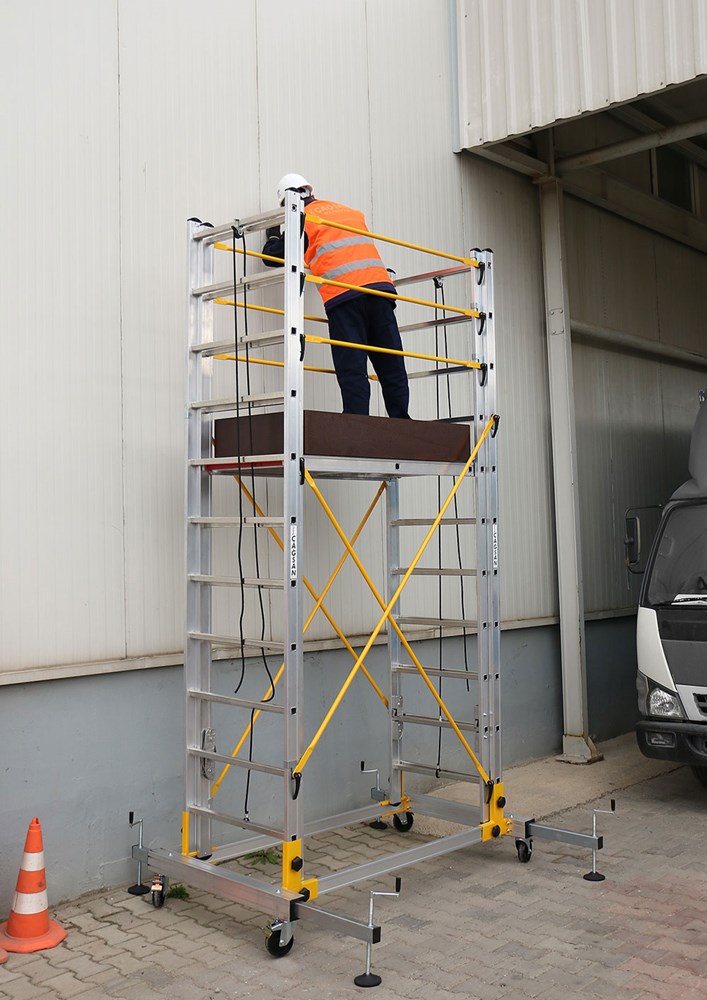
x=277 y=950
x=158 y=898
x=525 y=851
x=403 y=822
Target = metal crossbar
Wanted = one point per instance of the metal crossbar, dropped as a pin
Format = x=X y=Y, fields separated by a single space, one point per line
x=319 y=604
x=471 y=261
x=387 y=615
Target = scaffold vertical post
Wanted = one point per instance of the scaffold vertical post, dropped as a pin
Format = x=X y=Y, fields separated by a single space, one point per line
x=293 y=473
x=197 y=658
x=394 y=645
x=487 y=536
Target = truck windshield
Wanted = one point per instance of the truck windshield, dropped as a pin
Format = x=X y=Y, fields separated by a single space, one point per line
x=678 y=574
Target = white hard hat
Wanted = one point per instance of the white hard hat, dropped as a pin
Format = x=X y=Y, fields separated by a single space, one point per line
x=289 y=182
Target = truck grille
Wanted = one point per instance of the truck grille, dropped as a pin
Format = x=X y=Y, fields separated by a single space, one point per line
x=701 y=702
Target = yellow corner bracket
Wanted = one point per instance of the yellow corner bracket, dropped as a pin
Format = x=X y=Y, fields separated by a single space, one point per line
x=292 y=867
x=497 y=825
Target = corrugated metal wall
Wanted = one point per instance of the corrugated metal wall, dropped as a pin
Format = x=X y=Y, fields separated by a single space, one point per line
x=62 y=592
x=524 y=65
x=125 y=120
x=633 y=415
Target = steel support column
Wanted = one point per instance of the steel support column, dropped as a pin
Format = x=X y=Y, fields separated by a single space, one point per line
x=577 y=747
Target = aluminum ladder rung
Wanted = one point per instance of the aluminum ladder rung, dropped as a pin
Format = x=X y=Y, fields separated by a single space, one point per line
x=416 y=279
x=260 y=279
x=257 y=399
x=438 y=372
x=227 y=699
x=233 y=640
x=437 y=772
x=436 y=622
x=460 y=418
x=248 y=765
x=244 y=824
x=432 y=571
x=437 y=723
x=430 y=323
x=234 y=581
x=410 y=668
x=404 y=522
x=232 y=460
x=235 y=522
x=264 y=220
x=210 y=347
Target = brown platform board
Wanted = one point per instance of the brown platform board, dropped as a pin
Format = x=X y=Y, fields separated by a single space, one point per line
x=346 y=435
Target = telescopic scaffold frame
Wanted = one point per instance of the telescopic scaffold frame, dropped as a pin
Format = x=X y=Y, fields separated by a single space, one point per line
x=298 y=896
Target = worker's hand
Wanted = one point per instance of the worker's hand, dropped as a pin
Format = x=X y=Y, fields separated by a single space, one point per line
x=272 y=232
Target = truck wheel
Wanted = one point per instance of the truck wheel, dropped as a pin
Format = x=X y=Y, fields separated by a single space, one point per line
x=701 y=774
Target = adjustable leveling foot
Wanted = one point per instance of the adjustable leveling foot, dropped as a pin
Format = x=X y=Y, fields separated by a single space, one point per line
x=138 y=889
x=369 y=978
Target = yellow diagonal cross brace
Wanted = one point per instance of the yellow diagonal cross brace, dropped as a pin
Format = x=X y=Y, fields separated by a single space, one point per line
x=264 y=309
x=314 y=339
x=249 y=253
x=390 y=295
x=273 y=364
x=319 y=603
x=471 y=261
x=386 y=616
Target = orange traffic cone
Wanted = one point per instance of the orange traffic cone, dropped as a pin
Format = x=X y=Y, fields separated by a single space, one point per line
x=3 y=956
x=29 y=927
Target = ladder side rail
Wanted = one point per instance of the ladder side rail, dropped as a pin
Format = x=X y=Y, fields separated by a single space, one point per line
x=486 y=528
x=293 y=510
x=197 y=655
x=395 y=683
x=493 y=637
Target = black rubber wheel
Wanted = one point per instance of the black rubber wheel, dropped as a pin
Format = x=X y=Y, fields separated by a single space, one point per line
x=272 y=943
x=403 y=822
x=525 y=851
x=158 y=899
x=701 y=774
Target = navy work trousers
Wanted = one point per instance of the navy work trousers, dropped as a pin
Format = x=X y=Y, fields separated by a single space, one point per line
x=369 y=320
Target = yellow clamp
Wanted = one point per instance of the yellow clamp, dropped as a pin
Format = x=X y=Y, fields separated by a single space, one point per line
x=497 y=825
x=292 y=867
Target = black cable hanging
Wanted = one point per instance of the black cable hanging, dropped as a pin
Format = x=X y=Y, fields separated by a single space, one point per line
x=439 y=288
x=256 y=551
x=440 y=651
x=456 y=513
x=239 y=550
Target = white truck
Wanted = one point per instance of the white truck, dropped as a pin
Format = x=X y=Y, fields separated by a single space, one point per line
x=672 y=623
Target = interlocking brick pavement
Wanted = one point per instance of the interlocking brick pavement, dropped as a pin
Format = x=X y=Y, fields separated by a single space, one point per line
x=473 y=924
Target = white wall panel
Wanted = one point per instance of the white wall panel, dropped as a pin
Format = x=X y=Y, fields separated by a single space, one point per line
x=189 y=146
x=135 y=117
x=503 y=214
x=61 y=523
x=525 y=65
x=633 y=415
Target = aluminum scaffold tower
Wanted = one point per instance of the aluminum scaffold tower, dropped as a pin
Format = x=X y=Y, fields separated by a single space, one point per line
x=468 y=509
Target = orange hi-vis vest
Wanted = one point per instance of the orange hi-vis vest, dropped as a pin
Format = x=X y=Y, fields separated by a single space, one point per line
x=340 y=255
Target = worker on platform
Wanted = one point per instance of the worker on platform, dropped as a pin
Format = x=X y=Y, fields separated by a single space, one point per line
x=353 y=316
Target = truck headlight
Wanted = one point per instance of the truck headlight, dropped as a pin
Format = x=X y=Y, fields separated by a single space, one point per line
x=664 y=704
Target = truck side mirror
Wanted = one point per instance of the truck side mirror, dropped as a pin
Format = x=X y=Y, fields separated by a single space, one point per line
x=632 y=540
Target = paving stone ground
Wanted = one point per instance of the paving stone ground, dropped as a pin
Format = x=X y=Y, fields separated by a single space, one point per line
x=473 y=924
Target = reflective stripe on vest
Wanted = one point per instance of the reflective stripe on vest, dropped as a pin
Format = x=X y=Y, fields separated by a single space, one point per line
x=350 y=241
x=332 y=253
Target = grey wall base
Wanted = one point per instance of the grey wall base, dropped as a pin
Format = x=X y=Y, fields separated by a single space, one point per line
x=611 y=676
x=82 y=753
